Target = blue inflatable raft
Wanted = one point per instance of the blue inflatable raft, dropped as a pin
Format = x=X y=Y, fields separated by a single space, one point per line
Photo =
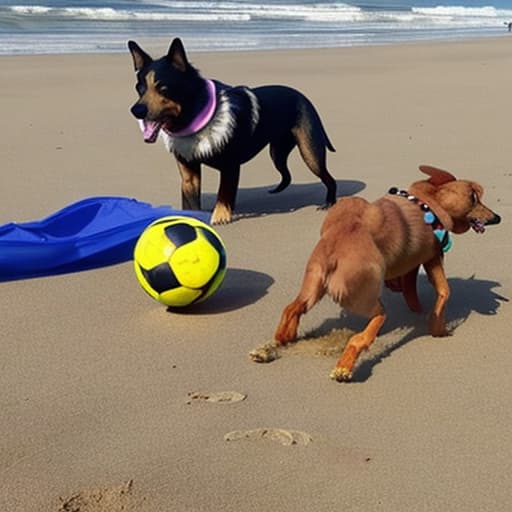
x=94 y=232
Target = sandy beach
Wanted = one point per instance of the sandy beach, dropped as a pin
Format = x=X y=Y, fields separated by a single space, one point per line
x=109 y=402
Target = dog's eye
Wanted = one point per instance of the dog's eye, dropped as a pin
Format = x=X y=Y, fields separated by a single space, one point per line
x=163 y=89
x=474 y=198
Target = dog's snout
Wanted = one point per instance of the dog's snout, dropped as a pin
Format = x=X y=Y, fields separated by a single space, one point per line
x=495 y=220
x=139 y=110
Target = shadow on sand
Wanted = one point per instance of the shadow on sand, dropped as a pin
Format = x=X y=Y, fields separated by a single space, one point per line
x=257 y=201
x=239 y=289
x=482 y=300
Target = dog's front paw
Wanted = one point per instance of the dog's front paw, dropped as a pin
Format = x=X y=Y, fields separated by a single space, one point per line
x=341 y=374
x=440 y=333
x=221 y=215
x=438 y=328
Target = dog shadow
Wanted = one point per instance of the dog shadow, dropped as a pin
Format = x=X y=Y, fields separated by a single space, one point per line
x=257 y=201
x=483 y=300
x=240 y=288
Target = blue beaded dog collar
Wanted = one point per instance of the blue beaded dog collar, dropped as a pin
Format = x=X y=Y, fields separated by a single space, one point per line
x=429 y=217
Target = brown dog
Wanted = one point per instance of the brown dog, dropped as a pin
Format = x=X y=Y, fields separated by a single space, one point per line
x=364 y=244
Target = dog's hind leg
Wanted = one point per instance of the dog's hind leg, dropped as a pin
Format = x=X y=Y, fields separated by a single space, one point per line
x=312 y=147
x=356 y=344
x=312 y=290
x=407 y=284
x=279 y=152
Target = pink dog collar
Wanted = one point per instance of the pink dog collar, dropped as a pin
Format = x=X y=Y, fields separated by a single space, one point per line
x=204 y=116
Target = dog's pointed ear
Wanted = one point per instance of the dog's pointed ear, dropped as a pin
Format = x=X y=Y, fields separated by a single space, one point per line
x=177 y=56
x=140 y=58
x=438 y=177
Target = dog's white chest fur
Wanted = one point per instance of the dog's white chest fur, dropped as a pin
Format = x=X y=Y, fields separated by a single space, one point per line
x=212 y=139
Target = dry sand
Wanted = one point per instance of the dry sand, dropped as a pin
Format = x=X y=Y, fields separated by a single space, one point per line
x=106 y=397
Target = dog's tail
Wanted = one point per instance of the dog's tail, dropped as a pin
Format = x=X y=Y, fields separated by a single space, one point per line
x=316 y=116
x=328 y=143
x=310 y=124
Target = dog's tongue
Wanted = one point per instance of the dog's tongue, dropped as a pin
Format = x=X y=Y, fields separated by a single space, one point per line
x=151 y=130
x=478 y=226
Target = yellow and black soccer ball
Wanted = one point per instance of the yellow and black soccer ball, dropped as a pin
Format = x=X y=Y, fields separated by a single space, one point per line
x=179 y=261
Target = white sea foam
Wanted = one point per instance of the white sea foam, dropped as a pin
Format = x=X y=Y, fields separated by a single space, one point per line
x=90 y=25
x=241 y=11
x=204 y=11
x=110 y=14
x=30 y=9
x=453 y=11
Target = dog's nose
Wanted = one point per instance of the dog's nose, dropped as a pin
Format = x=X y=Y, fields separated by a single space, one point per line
x=495 y=220
x=139 y=111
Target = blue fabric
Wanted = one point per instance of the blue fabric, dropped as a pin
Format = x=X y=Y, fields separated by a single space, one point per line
x=94 y=232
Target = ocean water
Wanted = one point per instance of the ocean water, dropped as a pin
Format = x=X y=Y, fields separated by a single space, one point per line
x=69 y=26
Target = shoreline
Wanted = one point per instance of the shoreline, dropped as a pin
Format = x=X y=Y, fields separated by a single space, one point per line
x=161 y=44
x=201 y=48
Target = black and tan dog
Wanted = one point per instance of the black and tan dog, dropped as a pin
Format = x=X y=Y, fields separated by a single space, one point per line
x=207 y=122
x=362 y=245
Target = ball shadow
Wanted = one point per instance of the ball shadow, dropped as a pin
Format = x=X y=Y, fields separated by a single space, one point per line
x=240 y=288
